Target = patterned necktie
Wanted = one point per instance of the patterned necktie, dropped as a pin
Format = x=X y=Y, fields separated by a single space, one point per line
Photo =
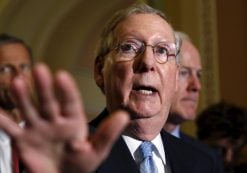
x=147 y=164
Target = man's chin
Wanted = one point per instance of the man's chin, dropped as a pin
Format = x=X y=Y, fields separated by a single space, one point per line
x=140 y=113
x=189 y=115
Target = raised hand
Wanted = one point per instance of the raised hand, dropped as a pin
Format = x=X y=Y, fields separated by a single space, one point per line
x=55 y=137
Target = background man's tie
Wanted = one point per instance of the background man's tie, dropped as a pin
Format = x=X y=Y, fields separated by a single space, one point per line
x=15 y=160
x=147 y=164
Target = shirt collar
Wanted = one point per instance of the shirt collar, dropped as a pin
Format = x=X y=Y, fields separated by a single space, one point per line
x=4 y=138
x=176 y=132
x=133 y=145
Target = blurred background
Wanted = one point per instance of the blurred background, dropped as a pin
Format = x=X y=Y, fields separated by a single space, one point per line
x=63 y=34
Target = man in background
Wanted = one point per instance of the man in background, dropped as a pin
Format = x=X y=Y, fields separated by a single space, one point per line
x=15 y=60
x=185 y=102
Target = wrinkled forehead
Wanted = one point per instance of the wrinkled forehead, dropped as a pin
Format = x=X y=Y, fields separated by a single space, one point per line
x=14 y=52
x=189 y=55
x=144 y=26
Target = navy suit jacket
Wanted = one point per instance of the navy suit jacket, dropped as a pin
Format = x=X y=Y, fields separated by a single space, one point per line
x=217 y=160
x=181 y=156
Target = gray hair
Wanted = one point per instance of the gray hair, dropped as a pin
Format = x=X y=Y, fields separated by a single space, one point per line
x=183 y=36
x=106 y=40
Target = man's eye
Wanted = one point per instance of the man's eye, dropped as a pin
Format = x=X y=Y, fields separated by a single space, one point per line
x=183 y=72
x=128 y=48
x=5 y=70
x=199 y=75
x=25 y=67
x=161 y=50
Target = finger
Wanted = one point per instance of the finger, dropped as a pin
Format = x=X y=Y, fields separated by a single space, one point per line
x=69 y=96
x=48 y=105
x=109 y=131
x=23 y=101
x=9 y=126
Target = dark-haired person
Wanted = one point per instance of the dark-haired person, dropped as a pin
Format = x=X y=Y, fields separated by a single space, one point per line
x=15 y=61
x=224 y=126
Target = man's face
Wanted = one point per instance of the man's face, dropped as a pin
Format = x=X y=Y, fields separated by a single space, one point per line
x=187 y=96
x=142 y=86
x=14 y=61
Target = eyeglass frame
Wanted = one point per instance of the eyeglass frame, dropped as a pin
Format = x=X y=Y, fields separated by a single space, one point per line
x=161 y=50
x=178 y=43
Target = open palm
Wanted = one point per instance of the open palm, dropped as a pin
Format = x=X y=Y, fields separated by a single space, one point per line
x=55 y=137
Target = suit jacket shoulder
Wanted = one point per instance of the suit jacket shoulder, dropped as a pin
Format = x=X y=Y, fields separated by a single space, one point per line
x=120 y=160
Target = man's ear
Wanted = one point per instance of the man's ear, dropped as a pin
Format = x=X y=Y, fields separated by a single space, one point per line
x=98 y=73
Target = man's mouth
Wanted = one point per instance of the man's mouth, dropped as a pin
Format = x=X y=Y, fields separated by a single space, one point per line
x=190 y=99
x=146 y=90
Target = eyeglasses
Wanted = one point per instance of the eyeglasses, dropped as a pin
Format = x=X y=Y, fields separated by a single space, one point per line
x=129 y=49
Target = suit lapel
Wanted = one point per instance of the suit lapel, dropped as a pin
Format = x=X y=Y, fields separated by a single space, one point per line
x=174 y=154
x=119 y=160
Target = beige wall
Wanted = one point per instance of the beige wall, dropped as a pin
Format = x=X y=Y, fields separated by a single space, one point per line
x=63 y=34
x=232 y=33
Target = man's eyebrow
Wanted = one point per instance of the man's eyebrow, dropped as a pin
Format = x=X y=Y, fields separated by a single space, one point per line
x=191 y=68
x=5 y=65
x=185 y=67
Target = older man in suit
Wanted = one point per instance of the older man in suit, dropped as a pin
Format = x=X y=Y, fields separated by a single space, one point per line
x=136 y=68
x=185 y=102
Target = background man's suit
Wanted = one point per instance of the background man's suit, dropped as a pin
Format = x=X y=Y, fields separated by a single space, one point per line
x=218 y=164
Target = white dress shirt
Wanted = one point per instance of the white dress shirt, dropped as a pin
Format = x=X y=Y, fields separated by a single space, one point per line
x=158 y=154
x=5 y=153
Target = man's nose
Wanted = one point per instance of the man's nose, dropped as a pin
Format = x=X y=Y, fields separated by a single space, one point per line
x=19 y=72
x=195 y=83
x=145 y=61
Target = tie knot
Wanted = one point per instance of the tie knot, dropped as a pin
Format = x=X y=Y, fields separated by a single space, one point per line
x=146 y=149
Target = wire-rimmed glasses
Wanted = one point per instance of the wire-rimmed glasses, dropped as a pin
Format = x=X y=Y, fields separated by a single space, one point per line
x=130 y=49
